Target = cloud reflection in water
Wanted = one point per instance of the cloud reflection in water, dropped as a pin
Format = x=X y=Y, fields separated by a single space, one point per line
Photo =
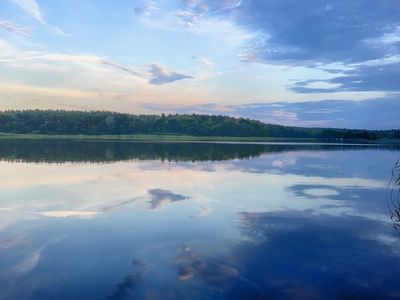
x=291 y=222
x=305 y=254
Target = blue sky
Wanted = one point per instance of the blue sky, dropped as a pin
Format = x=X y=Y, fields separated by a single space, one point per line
x=303 y=63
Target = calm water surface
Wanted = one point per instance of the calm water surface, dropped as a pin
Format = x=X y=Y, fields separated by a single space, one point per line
x=121 y=220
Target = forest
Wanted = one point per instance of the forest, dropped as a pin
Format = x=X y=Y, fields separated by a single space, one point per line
x=61 y=122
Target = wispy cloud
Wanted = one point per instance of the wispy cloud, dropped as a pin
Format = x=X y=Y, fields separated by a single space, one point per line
x=147 y=7
x=160 y=75
x=197 y=17
x=188 y=18
x=205 y=61
x=212 y=7
x=227 y=5
x=31 y=7
x=90 y=62
x=58 y=31
x=16 y=29
x=196 y=12
x=68 y=214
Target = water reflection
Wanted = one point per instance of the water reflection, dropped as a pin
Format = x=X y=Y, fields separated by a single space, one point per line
x=350 y=198
x=160 y=197
x=191 y=265
x=61 y=151
x=125 y=288
x=282 y=222
x=307 y=255
x=393 y=196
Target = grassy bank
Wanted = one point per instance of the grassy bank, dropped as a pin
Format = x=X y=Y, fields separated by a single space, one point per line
x=180 y=138
x=153 y=138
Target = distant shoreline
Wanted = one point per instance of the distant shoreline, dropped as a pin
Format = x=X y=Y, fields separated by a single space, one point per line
x=190 y=138
x=103 y=125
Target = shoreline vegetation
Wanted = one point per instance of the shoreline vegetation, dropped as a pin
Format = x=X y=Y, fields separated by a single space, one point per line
x=102 y=125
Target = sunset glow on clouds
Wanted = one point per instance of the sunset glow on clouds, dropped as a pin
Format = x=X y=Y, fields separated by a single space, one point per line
x=314 y=63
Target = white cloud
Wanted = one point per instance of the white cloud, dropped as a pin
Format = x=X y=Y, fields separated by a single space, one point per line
x=387 y=39
x=10 y=54
x=69 y=213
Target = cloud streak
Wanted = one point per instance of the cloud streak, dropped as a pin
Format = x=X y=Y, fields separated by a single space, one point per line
x=15 y=29
x=384 y=77
x=119 y=67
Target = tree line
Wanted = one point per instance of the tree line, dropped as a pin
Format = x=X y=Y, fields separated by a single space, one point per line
x=112 y=123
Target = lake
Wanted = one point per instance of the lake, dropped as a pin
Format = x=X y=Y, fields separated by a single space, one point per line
x=130 y=220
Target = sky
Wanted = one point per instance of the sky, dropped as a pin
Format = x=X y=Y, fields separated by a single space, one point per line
x=314 y=63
